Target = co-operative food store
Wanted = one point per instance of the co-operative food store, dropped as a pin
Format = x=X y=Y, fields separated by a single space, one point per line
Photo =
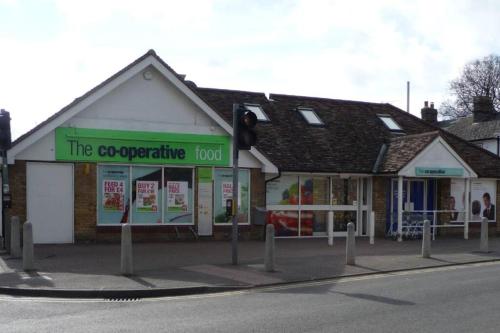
x=150 y=148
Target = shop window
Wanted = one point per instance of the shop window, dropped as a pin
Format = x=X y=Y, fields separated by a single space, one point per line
x=342 y=218
x=178 y=189
x=223 y=190
x=313 y=223
x=344 y=191
x=286 y=223
x=113 y=194
x=283 y=191
x=146 y=195
x=314 y=190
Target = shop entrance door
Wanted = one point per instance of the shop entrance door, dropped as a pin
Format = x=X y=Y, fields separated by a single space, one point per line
x=49 y=197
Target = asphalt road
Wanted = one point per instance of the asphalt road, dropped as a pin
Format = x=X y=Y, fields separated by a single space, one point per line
x=452 y=299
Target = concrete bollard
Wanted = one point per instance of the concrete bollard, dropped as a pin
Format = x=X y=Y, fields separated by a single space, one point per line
x=28 y=251
x=15 y=237
x=269 y=258
x=126 y=250
x=330 y=228
x=372 y=228
x=426 y=240
x=350 y=250
x=483 y=246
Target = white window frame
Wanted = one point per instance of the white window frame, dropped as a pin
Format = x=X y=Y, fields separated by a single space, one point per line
x=260 y=111
x=359 y=207
x=304 y=110
x=389 y=121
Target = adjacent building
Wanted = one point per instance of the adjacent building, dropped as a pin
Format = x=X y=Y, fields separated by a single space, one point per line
x=149 y=148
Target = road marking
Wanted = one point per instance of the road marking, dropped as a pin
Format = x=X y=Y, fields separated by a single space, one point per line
x=347 y=279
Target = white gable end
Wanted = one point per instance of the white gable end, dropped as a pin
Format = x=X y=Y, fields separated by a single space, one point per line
x=438 y=155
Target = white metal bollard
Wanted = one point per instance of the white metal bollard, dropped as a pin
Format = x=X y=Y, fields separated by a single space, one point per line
x=372 y=228
x=126 y=250
x=350 y=250
x=269 y=258
x=28 y=251
x=330 y=228
x=426 y=240
x=483 y=246
x=466 y=230
x=15 y=237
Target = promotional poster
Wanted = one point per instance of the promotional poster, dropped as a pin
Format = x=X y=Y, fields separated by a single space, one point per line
x=177 y=196
x=113 y=195
x=147 y=196
x=483 y=199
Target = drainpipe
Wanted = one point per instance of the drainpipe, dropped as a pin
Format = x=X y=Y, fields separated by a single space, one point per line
x=498 y=145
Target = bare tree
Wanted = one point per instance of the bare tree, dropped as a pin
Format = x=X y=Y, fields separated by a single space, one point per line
x=478 y=78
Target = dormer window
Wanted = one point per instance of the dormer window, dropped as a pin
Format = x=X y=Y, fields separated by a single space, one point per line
x=310 y=116
x=259 y=112
x=390 y=123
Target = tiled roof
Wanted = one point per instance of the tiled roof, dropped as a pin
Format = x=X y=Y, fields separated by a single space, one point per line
x=467 y=129
x=400 y=151
x=349 y=141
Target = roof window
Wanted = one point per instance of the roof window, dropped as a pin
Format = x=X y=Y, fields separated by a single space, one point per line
x=390 y=123
x=259 y=112
x=310 y=116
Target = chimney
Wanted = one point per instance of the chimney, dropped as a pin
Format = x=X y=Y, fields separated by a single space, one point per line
x=429 y=114
x=482 y=109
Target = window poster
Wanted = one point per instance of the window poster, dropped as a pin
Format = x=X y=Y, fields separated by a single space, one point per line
x=227 y=193
x=483 y=199
x=223 y=190
x=147 y=196
x=177 y=196
x=113 y=195
x=283 y=191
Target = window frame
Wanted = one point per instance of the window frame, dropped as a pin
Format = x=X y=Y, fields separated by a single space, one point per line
x=130 y=216
x=302 y=110
x=254 y=105
x=399 y=129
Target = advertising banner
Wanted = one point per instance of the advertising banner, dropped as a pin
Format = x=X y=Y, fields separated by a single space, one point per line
x=113 y=195
x=98 y=145
x=147 y=196
x=177 y=196
x=483 y=198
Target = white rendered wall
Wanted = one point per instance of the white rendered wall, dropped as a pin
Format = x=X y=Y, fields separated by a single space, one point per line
x=139 y=105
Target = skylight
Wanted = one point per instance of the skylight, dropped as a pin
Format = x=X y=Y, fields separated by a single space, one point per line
x=390 y=123
x=310 y=116
x=259 y=112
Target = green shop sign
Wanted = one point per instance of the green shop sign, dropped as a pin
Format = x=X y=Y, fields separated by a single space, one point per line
x=96 y=145
x=439 y=172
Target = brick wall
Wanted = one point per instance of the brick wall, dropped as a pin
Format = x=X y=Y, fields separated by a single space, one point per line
x=17 y=183
x=379 y=201
x=85 y=201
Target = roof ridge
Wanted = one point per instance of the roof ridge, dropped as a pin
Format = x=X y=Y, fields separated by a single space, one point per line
x=232 y=90
x=415 y=135
x=327 y=98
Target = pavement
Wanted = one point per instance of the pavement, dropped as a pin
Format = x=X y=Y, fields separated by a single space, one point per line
x=190 y=267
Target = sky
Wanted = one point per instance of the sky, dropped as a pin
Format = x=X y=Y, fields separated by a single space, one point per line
x=53 y=51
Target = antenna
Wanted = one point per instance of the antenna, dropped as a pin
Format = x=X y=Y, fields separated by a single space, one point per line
x=408 y=96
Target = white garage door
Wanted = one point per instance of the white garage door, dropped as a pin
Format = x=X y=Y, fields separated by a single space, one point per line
x=49 y=192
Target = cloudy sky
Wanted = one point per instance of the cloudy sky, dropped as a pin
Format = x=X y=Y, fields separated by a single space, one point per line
x=54 y=51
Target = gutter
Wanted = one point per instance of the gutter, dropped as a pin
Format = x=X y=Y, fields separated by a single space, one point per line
x=380 y=156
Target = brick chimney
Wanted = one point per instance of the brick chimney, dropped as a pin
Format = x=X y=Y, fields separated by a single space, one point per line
x=482 y=109
x=429 y=113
